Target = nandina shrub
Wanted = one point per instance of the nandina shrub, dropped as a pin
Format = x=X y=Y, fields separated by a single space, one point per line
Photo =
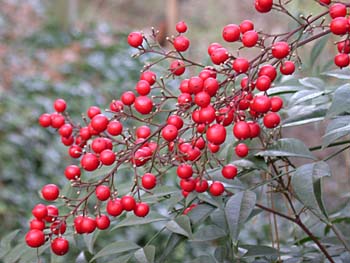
x=220 y=134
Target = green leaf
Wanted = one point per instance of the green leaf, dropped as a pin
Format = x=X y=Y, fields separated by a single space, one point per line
x=90 y=239
x=180 y=225
x=343 y=73
x=237 y=211
x=337 y=128
x=203 y=259
x=146 y=254
x=284 y=90
x=173 y=241
x=133 y=220
x=209 y=232
x=302 y=114
x=341 y=101
x=302 y=122
x=311 y=82
x=200 y=213
x=116 y=248
x=304 y=95
x=287 y=147
x=259 y=251
x=218 y=218
x=159 y=192
x=5 y=244
x=253 y=162
x=307 y=187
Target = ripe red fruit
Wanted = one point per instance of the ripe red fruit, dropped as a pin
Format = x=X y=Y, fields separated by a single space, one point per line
x=241 y=150
x=135 y=39
x=87 y=225
x=184 y=171
x=143 y=88
x=72 y=172
x=212 y=47
x=128 y=98
x=341 y=60
x=261 y=104
x=45 y=120
x=143 y=132
x=67 y=141
x=263 y=6
x=40 y=211
x=116 y=105
x=35 y=238
x=195 y=85
x=246 y=25
x=60 y=246
x=114 y=207
x=99 y=122
x=188 y=184
x=216 y=134
x=184 y=99
x=93 y=111
x=181 y=27
x=339 y=26
x=344 y=46
x=36 y=224
x=268 y=70
x=60 y=105
x=58 y=227
x=231 y=33
x=177 y=67
x=287 y=68
x=89 y=162
x=169 y=133
x=181 y=43
x=271 y=120
x=240 y=65
x=276 y=103
x=75 y=151
x=148 y=181
x=214 y=148
x=52 y=213
x=65 y=130
x=202 y=99
x=263 y=83
x=98 y=145
x=337 y=10
x=141 y=209
x=225 y=116
x=143 y=104
x=102 y=222
x=107 y=157
x=326 y=2
x=254 y=129
x=219 y=55
x=216 y=188
x=211 y=86
x=229 y=171
x=114 y=128
x=102 y=192
x=128 y=202
x=176 y=121
x=57 y=120
x=50 y=192
x=201 y=185
x=250 y=38
x=241 y=130
x=207 y=114
x=149 y=76
x=280 y=49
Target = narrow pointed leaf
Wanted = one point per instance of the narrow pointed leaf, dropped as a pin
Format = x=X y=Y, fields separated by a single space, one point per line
x=146 y=254
x=180 y=225
x=341 y=101
x=207 y=233
x=116 y=248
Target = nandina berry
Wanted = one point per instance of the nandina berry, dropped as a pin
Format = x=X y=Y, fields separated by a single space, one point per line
x=87 y=225
x=52 y=213
x=60 y=246
x=114 y=128
x=98 y=145
x=102 y=192
x=181 y=43
x=176 y=121
x=216 y=134
x=184 y=171
x=271 y=120
x=263 y=83
x=199 y=143
x=50 y=192
x=207 y=114
x=57 y=120
x=114 y=207
x=148 y=181
x=102 y=222
x=169 y=133
x=241 y=150
x=84 y=133
x=177 y=67
x=212 y=47
x=211 y=86
x=337 y=10
x=263 y=6
x=128 y=202
x=93 y=111
x=149 y=76
x=65 y=130
x=60 y=105
x=219 y=55
x=107 y=157
x=202 y=99
x=326 y=2
x=58 y=227
x=246 y=25
x=344 y=46
x=280 y=49
x=141 y=209
x=89 y=162
x=268 y=70
x=188 y=184
x=214 y=148
x=254 y=129
x=143 y=104
x=287 y=68
x=250 y=38
x=240 y=65
x=342 y=60
x=99 y=122
x=225 y=116
x=128 y=98
x=184 y=99
x=40 y=211
x=339 y=26
x=231 y=33
x=216 y=188
x=75 y=151
x=201 y=185
x=67 y=141
x=116 y=106
x=276 y=103
x=229 y=171
x=72 y=172
x=37 y=224
x=195 y=85
x=143 y=88
x=35 y=238
x=45 y=120
x=241 y=130
x=143 y=132
x=181 y=27
x=261 y=104
x=135 y=39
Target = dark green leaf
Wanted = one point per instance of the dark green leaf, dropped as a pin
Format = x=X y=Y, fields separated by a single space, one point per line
x=284 y=90
x=259 y=251
x=237 y=211
x=203 y=259
x=173 y=241
x=209 y=232
x=337 y=128
x=5 y=244
x=133 y=220
x=287 y=147
x=180 y=225
x=146 y=254
x=116 y=248
x=200 y=213
x=90 y=239
x=159 y=192
x=341 y=101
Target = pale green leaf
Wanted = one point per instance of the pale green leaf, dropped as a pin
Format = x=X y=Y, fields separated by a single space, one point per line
x=341 y=101
x=133 y=220
x=116 y=248
x=146 y=254
x=209 y=232
x=180 y=225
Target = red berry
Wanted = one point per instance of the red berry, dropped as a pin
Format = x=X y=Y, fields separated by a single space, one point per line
x=240 y=65
x=35 y=238
x=241 y=150
x=250 y=38
x=181 y=27
x=60 y=246
x=231 y=33
x=141 y=209
x=87 y=225
x=99 y=122
x=52 y=213
x=211 y=86
x=135 y=39
x=116 y=105
x=341 y=60
x=65 y=130
x=177 y=67
x=58 y=227
x=212 y=47
x=287 y=67
x=339 y=26
x=60 y=105
x=276 y=104
x=184 y=171
x=337 y=10
x=241 y=130
x=207 y=114
x=246 y=25
x=214 y=148
x=89 y=162
x=149 y=76
x=263 y=6
x=75 y=151
x=50 y=192
x=143 y=104
x=102 y=222
x=37 y=224
x=216 y=134
x=176 y=121
x=229 y=171
x=114 y=207
x=280 y=49
x=202 y=99
x=216 y=188
x=114 y=128
x=45 y=120
x=326 y=2
x=148 y=181
x=344 y=46
x=128 y=202
x=195 y=85
x=219 y=55
x=188 y=184
x=184 y=99
x=72 y=172
x=143 y=132
x=57 y=120
x=107 y=157
x=169 y=132
x=102 y=192
x=263 y=83
x=93 y=111
x=201 y=185
x=143 y=87
x=271 y=120
x=225 y=116
x=40 y=211
x=181 y=43
x=261 y=104
x=268 y=70
x=128 y=98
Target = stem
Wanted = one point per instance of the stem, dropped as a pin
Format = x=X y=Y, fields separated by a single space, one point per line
x=340 y=236
x=319 y=147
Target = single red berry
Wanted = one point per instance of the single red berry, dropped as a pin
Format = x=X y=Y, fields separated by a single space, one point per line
x=219 y=56
x=107 y=157
x=202 y=99
x=250 y=38
x=58 y=227
x=65 y=130
x=344 y=46
x=148 y=181
x=263 y=83
x=216 y=188
x=89 y=162
x=177 y=67
x=114 y=207
x=229 y=171
x=287 y=68
x=207 y=73
x=268 y=70
x=128 y=98
x=50 y=192
x=231 y=33
x=40 y=211
x=201 y=185
x=88 y=225
x=102 y=192
x=72 y=172
x=280 y=49
x=169 y=133
x=254 y=129
x=45 y=120
x=143 y=88
x=276 y=103
x=116 y=106
x=98 y=145
x=184 y=171
x=241 y=150
x=99 y=122
x=143 y=132
x=339 y=26
x=271 y=120
x=60 y=105
x=263 y=6
x=241 y=130
x=37 y=224
x=67 y=141
x=216 y=134
x=240 y=65
x=225 y=116
x=246 y=25
x=341 y=60
x=212 y=47
x=184 y=99
x=176 y=121
x=93 y=111
x=143 y=104
x=149 y=76
x=60 y=246
x=261 y=104
x=135 y=39
x=52 y=213
x=35 y=238
x=195 y=85
x=57 y=120
x=325 y=2
x=102 y=222
x=128 y=202
x=114 y=128
x=141 y=209
x=207 y=114
x=181 y=43
x=181 y=27
x=188 y=184
x=214 y=148
x=337 y=10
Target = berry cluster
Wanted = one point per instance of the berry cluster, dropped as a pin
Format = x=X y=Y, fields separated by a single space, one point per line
x=229 y=96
